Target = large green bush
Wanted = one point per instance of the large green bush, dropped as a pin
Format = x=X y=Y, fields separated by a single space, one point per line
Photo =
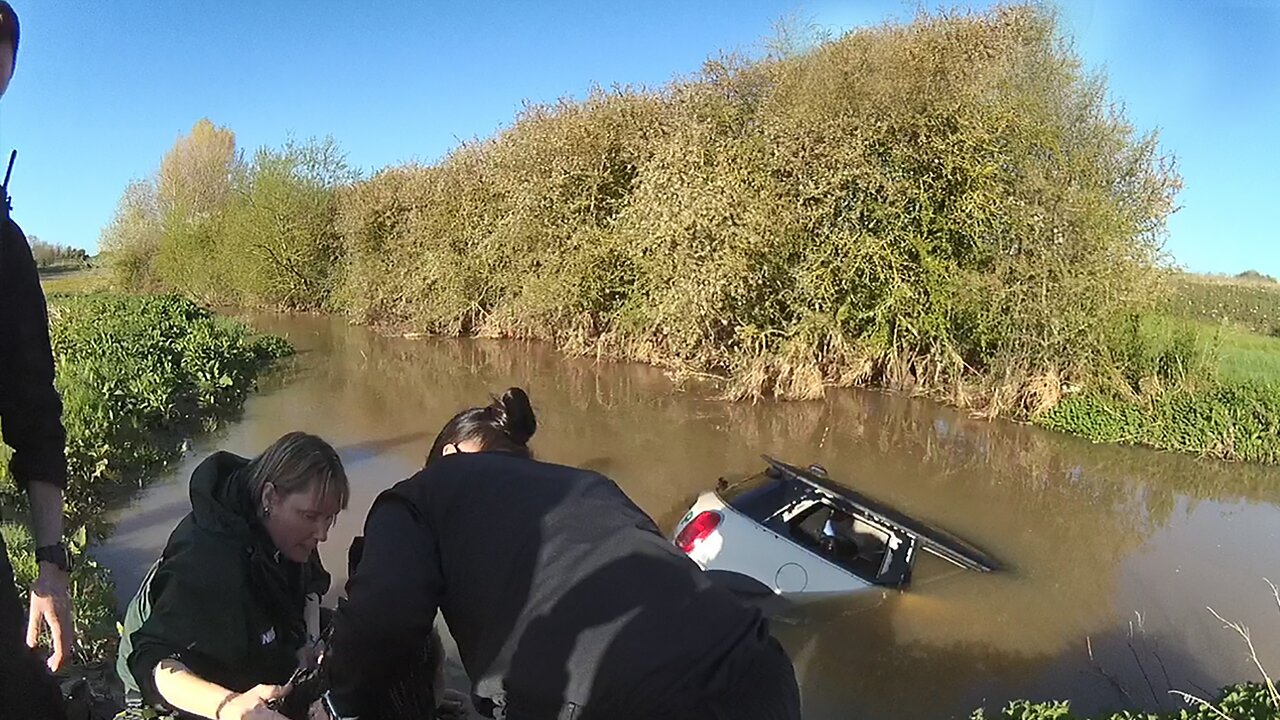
x=223 y=230
x=137 y=375
x=937 y=204
x=952 y=205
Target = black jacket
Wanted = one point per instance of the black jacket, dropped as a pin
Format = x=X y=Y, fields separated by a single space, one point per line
x=221 y=600
x=563 y=596
x=30 y=408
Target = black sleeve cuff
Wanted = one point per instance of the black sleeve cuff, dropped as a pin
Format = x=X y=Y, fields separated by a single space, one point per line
x=142 y=663
x=51 y=469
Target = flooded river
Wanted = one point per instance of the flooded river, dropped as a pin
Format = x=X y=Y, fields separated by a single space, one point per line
x=1114 y=554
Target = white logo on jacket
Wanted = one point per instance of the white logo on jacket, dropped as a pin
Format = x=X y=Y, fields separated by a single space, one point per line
x=269 y=636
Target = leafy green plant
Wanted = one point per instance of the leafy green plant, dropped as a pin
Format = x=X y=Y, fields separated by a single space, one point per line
x=1244 y=701
x=1230 y=422
x=137 y=375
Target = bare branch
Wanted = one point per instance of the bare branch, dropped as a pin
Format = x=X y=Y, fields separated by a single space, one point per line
x=1102 y=673
x=1243 y=632
x=1189 y=698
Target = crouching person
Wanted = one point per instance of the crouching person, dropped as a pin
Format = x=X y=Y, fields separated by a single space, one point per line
x=231 y=610
x=566 y=601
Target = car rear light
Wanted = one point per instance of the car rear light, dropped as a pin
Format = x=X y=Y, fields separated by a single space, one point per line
x=698 y=529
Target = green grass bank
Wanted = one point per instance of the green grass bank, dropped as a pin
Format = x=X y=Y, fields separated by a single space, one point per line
x=137 y=376
x=1201 y=375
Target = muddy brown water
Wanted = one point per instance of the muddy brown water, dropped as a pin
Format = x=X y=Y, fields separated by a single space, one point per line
x=1114 y=554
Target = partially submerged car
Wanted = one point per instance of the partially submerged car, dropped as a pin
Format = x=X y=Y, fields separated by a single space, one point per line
x=793 y=532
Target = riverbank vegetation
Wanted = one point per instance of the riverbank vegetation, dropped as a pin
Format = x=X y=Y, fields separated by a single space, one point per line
x=1245 y=701
x=952 y=207
x=1202 y=375
x=1258 y=700
x=137 y=376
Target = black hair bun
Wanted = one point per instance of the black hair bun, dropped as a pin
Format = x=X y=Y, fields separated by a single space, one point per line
x=514 y=415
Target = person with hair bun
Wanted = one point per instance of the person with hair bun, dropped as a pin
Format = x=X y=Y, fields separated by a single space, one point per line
x=566 y=601
x=504 y=425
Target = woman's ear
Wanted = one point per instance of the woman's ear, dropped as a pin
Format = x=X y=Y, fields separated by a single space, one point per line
x=269 y=498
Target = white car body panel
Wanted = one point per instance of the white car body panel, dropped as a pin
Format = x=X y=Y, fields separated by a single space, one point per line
x=741 y=545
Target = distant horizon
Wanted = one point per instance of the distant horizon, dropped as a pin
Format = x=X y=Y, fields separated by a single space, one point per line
x=85 y=127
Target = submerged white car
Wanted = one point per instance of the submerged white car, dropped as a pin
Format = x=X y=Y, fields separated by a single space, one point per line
x=793 y=533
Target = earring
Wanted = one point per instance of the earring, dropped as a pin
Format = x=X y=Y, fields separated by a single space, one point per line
x=266 y=511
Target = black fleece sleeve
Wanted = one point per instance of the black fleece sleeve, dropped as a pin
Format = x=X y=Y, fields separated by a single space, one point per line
x=196 y=617
x=391 y=605
x=30 y=408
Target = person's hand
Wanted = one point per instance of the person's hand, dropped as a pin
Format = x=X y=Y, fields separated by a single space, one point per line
x=318 y=711
x=252 y=705
x=51 y=605
x=309 y=655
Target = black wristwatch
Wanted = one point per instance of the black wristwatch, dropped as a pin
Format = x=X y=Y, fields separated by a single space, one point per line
x=56 y=555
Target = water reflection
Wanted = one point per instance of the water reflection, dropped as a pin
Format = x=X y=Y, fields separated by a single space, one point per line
x=1090 y=533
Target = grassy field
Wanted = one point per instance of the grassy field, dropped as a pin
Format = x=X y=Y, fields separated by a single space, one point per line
x=63 y=280
x=1239 y=317
x=1245 y=355
x=1249 y=303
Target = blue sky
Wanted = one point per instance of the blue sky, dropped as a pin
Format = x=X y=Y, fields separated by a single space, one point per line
x=103 y=89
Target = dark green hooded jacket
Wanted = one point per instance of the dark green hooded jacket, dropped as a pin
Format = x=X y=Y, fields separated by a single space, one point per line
x=221 y=599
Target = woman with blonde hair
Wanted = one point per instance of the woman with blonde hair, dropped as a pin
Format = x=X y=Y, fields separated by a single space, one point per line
x=231 y=609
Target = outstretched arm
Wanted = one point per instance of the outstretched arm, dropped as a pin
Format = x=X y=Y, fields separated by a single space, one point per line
x=50 y=596
x=391 y=606
x=31 y=416
x=191 y=693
